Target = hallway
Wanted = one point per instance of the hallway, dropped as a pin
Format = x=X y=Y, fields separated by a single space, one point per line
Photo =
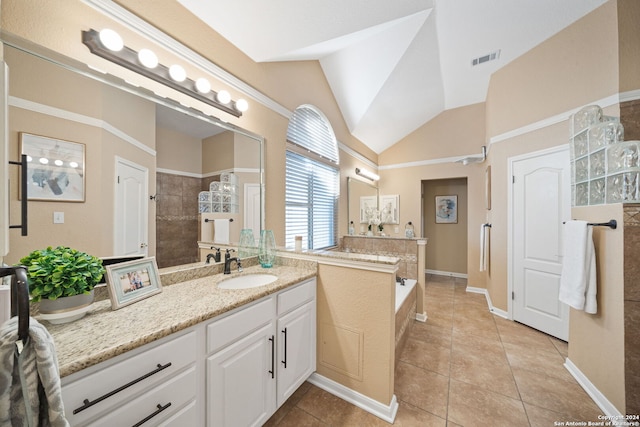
x=463 y=367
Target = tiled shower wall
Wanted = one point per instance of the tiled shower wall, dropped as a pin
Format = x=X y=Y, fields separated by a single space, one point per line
x=632 y=307
x=176 y=219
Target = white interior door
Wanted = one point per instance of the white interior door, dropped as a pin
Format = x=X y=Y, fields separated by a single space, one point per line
x=131 y=204
x=541 y=201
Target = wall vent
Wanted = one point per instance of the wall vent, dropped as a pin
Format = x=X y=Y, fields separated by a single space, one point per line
x=485 y=58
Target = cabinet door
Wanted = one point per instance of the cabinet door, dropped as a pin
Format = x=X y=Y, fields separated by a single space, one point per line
x=240 y=381
x=296 y=349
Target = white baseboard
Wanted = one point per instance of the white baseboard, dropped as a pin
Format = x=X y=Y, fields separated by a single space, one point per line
x=446 y=273
x=595 y=394
x=492 y=309
x=380 y=410
x=421 y=317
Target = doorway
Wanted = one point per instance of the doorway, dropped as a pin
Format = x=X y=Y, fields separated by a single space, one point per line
x=131 y=207
x=540 y=202
x=446 y=253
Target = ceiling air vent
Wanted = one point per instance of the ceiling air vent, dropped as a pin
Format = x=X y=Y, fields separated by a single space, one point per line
x=485 y=58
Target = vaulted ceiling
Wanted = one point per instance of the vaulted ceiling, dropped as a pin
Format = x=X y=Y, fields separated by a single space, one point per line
x=393 y=65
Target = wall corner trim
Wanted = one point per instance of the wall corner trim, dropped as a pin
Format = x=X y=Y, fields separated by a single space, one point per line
x=595 y=394
x=492 y=309
x=380 y=410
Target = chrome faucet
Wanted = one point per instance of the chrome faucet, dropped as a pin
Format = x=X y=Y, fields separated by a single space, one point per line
x=228 y=260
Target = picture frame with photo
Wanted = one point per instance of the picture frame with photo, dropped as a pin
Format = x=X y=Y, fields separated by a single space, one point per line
x=131 y=281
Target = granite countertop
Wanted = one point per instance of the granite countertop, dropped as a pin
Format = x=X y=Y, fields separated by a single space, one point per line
x=105 y=333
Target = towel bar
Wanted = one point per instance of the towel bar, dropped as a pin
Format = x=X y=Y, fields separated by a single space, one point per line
x=210 y=220
x=613 y=224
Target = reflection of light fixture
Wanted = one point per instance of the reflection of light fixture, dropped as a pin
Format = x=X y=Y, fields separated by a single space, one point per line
x=177 y=73
x=58 y=162
x=73 y=164
x=223 y=96
x=366 y=174
x=44 y=160
x=111 y=40
x=474 y=159
x=203 y=86
x=148 y=58
x=173 y=77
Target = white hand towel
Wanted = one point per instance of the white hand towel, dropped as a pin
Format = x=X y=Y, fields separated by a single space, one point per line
x=221 y=231
x=484 y=248
x=578 y=280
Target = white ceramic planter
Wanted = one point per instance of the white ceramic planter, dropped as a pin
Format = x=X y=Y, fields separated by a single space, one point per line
x=67 y=309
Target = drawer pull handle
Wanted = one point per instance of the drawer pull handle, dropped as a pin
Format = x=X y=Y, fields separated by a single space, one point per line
x=89 y=403
x=148 y=417
x=273 y=355
x=284 y=362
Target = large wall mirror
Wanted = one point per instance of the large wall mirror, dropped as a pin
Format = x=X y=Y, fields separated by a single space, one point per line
x=360 y=192
x=124 y=132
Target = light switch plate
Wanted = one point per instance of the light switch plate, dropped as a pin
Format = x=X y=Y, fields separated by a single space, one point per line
x=58 y=217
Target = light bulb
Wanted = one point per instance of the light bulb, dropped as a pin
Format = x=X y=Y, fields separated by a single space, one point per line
x=203 y=86
x=148 y=58
x=58 y=162
x=223 y=97
x=242 y=105
x=111 y=40
x=29 y=159
x=73 y=164
x=44 y=160
x=177 y=73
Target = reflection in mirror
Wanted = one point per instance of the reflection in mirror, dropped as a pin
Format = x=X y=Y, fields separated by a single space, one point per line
x=356 y=190
x=175 y=152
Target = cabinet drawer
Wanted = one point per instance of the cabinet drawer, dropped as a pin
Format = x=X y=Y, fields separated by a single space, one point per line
x=233 y=327
x=156 y=405
x=297 y=296
x=122 y=381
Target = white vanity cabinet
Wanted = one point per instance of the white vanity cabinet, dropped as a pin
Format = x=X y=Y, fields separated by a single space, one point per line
x=247 y=377
x=152 y=385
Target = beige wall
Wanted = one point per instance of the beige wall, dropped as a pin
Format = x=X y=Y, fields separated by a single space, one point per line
x=628 y=35
x=178 y=152
x=356 y=329
x=577 y=66
x=596 y=341
x=447 y=241
x=452 y=134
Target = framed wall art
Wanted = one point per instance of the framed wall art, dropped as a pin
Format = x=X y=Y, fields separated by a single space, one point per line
x=446 y=209
x=389 y=209
x=132 y=281
x=55 y=168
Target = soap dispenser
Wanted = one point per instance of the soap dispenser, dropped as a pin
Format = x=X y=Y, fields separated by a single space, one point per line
x=352 y=228
x=408 y=231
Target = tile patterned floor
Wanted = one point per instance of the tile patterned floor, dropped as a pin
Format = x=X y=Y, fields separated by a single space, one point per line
x=463 y=367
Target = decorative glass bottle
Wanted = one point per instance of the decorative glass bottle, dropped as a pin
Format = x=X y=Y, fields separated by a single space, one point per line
x=267 y=249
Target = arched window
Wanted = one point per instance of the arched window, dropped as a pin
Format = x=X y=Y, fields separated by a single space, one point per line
x=312 y=180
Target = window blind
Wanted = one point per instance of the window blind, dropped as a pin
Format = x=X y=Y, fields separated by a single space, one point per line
x=311 y=202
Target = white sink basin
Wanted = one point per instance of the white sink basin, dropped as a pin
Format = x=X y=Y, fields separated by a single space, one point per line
x=247 y=281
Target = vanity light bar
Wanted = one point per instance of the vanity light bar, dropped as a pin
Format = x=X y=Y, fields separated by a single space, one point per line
x=366 y=174
x=129 y=59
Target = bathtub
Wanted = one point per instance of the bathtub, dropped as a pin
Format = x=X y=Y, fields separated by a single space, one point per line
x=405 y=312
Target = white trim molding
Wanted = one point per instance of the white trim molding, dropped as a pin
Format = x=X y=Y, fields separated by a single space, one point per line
x=446 y=273
x=380 y=410
x=78 y=118
x=492 y=309
x=600 y=399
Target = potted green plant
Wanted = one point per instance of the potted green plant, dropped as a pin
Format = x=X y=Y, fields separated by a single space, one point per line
x=62 y=280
